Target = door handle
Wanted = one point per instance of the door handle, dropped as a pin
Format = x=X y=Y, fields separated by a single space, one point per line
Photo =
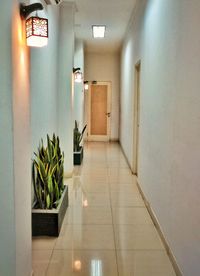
x=108 y=114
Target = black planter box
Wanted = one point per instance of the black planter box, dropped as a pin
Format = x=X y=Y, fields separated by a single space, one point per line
x=78 y=157
x=49 y=222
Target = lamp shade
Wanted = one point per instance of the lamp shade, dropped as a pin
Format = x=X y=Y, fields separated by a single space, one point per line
x=37 y=31
x=78 y=76
x=86 y=85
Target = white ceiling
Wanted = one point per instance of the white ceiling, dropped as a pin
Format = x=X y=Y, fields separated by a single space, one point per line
x=115 y=14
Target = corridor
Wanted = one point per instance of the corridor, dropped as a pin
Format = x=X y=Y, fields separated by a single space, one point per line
x=107 y=230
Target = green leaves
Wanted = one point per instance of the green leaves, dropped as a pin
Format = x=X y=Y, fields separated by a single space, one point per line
x=47 y=174
x=48 y=202
x=78 y=136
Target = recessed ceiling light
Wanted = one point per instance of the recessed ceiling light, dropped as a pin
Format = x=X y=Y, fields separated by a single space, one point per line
x=98 y=31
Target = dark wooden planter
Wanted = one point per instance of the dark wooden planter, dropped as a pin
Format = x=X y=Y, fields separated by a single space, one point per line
x=49 y=222
x=78 y=157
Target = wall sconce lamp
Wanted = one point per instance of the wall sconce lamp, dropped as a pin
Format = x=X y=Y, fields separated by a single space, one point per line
x=78 y=75
x=36 y=27
x=86 y=85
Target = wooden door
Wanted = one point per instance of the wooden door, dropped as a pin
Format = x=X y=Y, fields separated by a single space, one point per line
x=99 y=112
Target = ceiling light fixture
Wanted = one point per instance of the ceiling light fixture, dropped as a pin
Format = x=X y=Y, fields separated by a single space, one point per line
x=98 y=31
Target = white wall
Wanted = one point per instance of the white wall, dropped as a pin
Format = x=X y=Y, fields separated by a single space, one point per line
x=78 y=87
x=105 y=67
x=49 y=112
x=15 y=188
x=51 y=81
x=164 y=37
x=44 y=84
x=7 y=233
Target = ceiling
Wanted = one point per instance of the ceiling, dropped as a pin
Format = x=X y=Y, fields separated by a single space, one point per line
x=115 y=14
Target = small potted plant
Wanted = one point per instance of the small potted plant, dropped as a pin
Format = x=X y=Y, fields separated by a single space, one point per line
x=78 y=149
x=50 y=194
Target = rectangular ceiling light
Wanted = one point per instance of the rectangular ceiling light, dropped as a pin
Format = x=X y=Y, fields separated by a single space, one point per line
x=98 y=31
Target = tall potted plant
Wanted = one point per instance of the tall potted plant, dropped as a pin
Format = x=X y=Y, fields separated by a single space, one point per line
x=50 y=194
x=78 y=149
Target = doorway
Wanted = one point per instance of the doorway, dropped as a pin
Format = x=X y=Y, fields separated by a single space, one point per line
x=136 y=118
x=99 y=111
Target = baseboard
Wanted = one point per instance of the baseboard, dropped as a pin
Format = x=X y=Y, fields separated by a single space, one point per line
x=125 y=156
x=155 y=221
x=160 y=232
x=114 y=140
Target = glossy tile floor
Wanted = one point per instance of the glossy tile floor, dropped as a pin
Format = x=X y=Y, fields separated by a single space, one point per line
x=107 y=230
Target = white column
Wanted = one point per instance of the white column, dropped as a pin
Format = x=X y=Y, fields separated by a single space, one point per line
x=65 y=91
x=79 y=87
x=15 y=175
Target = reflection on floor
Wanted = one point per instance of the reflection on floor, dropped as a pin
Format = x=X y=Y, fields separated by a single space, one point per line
x=107 y=230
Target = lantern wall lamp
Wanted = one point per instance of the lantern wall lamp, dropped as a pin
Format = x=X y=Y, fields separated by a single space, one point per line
x=86 y=85
x=26 y=10
x=36 y=27
x=78 y=75
x=76 y=69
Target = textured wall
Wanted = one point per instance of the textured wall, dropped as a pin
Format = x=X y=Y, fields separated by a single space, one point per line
x=163 y=36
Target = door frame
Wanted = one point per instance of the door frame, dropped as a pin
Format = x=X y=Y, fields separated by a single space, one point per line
x=136 y=121
x=100 y=137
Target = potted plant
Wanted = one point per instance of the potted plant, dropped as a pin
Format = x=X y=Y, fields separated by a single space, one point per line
x=78 y=149
x=50 y=194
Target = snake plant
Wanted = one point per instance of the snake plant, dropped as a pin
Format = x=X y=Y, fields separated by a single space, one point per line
x=78 y=136
x=47 y=174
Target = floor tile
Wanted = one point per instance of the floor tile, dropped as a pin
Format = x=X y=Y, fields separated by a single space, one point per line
x=92 y=199
x=95 y=170
x=95 y=187
x=43 y=242
x=94 y=178
x=86 y=237
x=121 y=178
x=124 y=199
x=131 y=215
x=137 y=237
x=88 y=215
x=117 y=172
x=84 y=263
x=144 y=263
x=121 y=187
x=107 y=230
x=40 y=261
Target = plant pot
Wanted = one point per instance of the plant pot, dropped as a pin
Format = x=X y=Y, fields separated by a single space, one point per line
x=49 y=222
x=78 y=157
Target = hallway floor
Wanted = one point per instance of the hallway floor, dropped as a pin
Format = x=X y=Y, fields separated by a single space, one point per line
x=107 y=230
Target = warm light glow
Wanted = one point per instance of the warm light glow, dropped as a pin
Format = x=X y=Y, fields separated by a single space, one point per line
x=78 y=77
x=86 y=86
x=37 y=41
x=85 y=203
x=22 y=57
x=37 y=31
x=77 y=265
x=98 y=31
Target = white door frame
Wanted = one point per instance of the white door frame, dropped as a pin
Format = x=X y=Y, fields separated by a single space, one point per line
x=100 y=137
x=136 y=121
